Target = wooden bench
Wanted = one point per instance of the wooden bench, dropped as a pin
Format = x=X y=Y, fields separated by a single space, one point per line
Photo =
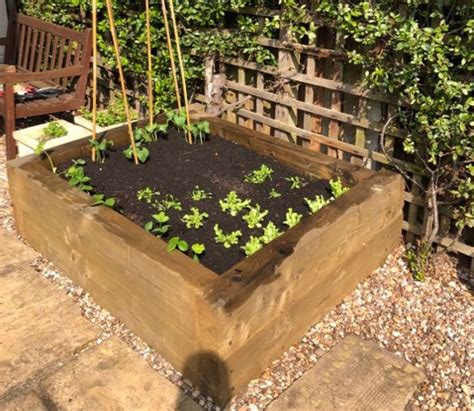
x=43 y=55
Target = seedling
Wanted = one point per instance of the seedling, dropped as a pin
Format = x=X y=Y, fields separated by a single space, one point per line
x=233 y=204
x=316 y=204
x=100 y=147
x=54 y=130
x=252 y=246
x=199 y=194
x=270 y=232
x=274 y=194
x=150 y=132
x=159 y=227
x=227 y=240
x=77 y=177
x=146 y=194
x=198 y=250
x=337 y=189
x=178 y=119
x=195 y=219
x=259 y=176
x=39 y=150
x=254 y=217
x=99 y=199
x=142 y=152
x=292 y=218
x=177 y=243
x=169 y=202
x=296 y=182
x=199 y=131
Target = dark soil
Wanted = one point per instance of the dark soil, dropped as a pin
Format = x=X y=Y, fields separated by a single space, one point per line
x=217 y=166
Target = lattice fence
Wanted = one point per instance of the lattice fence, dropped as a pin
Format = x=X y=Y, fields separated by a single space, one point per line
x=314 y=98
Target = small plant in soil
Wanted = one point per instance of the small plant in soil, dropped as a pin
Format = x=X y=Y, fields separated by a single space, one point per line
x=142 y=152
x=199 y=194
x=292 y=218
x=270 y=232
x=259 y=176
x=199 y=131
x=252 y=246
x=195 y=219
x=101 y=146
x=178 y=119
x=254 y=217
x=150 y=132
x=232 y=204
x=198 y=250
x=53 y=130
x=337 y=189
x=296 y=182
x=160 y=225
x=146 y=194
x=227 y=240
x=168 y=203
x=316 y=204
x=176 y=243
x=99 y=199
x=76 y=176
x=274 y=194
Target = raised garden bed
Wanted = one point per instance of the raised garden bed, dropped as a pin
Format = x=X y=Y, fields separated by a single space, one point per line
x=220 y=330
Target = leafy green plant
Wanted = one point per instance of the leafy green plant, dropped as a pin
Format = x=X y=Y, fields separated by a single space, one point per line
x=149 y=133
x=39 y=150
x=160 y=225
x=177 y=243
x=255 y=216
x=169 y=202
x=142 y=152
x=54 y=129
x=113 y=114
x=418 y=261
x=200 y=130
x=274 y=194
x=198 y=250
x=316 y=204
x=76 y=176
x=146 y=194
x=178 y=119
x=292 y=218
x=252 y=246
x=296 y=182
x=101 y=146
x=270 y=232
x=195 y=219
x=227 y=240
x=337 y=189
x=199 y=194
x=99 y=199
x=233 y=204
x=259 y=176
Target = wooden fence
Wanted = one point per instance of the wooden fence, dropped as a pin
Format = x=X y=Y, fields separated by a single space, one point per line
x=313 y=97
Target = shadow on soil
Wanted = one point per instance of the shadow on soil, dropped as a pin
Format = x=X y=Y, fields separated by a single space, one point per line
x=208 y=372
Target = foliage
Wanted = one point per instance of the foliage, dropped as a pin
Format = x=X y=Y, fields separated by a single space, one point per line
x=252 y=246
x=199 y=131
x=146 y=194
x=39 y=150
x=270 y=232
x=177 y=243
x=159 y=226
x=198 y=250
x=259 y=176
x=227 y=240
x=54 y=129
x=76 y=176
x=99 y=199
x=199 y=194
x=112 y=115
x=254 y=217
x=195 y=219
x=142 y=152
x=233 y=204
x=100 y=145
x=169 y=202
x=292 y=218
x=316 y=204
x=296 y=182
x=274 y=194
x=337 y=188
x=417 y=262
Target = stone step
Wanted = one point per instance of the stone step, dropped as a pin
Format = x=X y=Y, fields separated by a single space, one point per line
x=354 y=375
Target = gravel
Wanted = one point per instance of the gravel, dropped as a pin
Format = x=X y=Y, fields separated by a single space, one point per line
x=428 y=323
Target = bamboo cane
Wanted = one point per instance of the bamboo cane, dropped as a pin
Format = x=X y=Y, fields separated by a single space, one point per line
x=150 y=79
x=113 y=32
x=181 y=69
x=94 y=76
x=171 y=51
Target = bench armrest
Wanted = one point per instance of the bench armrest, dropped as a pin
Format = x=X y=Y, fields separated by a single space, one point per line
x=13 y=78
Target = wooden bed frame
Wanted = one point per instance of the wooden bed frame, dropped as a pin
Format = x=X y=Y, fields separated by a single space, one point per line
x=220 y=331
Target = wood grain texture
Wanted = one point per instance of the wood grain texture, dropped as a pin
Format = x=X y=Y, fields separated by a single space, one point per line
x=221 y=331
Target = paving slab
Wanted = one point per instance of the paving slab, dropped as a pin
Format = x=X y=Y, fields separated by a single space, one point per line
x=354 y=375
x=113 y=377
x=13 y=252
x=41 y=329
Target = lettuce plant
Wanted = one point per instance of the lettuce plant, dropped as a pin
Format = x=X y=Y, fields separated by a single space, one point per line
x=254 y=217
x=195 y=219
x=270 y=232
x=259 y=176
x=227 y=240
x=316 y=204
x=252 y=246
x=292 y=218
x=198 y=250
x=337 y=189
x=274 y=194
x=296 y=182
x=199 y=194
x=233 y=204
